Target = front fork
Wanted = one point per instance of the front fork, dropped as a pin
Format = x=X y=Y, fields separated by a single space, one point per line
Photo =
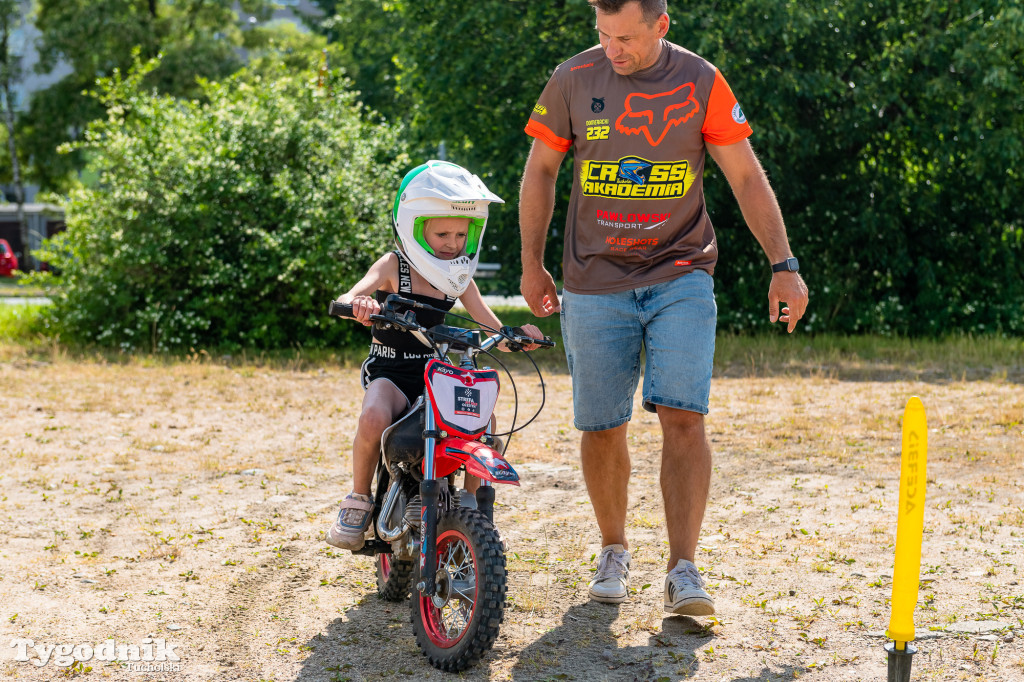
x=430 y=496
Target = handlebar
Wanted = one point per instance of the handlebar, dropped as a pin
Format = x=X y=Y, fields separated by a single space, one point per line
x=440 y=333
x=337 y=309
x=515 y=334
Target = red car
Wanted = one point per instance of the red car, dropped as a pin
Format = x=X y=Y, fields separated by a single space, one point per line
x=8 y=261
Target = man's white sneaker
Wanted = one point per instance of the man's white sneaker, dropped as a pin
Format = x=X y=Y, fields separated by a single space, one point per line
x=685 y=592
x=611 y=582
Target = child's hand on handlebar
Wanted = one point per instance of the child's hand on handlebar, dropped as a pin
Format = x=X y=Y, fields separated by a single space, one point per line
x=528 y=330
x=362 y=307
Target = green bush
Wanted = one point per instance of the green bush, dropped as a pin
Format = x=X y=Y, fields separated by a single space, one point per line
x=227 y=223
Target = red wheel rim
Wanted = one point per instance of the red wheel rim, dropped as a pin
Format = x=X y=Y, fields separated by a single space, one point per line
x=446 y=616
x=385 y=566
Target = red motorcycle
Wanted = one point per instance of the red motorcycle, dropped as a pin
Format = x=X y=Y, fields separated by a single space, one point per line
x=423 y=536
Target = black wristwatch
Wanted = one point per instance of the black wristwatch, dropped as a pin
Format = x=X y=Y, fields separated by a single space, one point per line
x=788 y=265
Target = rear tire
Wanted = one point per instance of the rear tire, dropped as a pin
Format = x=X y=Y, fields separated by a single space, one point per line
x=457 y=626
x=393 y=577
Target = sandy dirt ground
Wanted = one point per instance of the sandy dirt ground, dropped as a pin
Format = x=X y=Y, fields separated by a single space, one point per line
x=180 y=508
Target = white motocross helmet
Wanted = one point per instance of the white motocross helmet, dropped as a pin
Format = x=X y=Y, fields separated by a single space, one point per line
x=439 y=189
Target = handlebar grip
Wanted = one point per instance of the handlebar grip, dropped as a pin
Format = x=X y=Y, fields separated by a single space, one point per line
x=340 y=309
x=517 y=336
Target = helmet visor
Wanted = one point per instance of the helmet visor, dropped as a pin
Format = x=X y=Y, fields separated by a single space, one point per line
x=474 y=233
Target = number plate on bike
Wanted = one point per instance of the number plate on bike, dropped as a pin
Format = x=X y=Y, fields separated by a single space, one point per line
x=462 y=400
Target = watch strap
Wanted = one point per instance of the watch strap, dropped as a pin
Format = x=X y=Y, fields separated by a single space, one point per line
x=788 y=265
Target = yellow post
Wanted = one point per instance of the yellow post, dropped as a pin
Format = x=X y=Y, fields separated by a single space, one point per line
x=909 y=530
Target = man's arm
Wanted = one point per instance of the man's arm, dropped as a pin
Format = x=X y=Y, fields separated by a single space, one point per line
x=762 y=215
x=536 y=206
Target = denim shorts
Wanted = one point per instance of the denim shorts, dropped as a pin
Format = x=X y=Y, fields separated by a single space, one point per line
x=673 y=323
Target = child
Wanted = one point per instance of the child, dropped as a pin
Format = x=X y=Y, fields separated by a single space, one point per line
x=439 y=218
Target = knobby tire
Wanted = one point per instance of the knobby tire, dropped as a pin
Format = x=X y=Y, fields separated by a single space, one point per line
x=459 y=530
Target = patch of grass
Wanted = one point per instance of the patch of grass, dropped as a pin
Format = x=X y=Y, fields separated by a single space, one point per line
x=13 y=287
x=20 y=323
x=829 y=356
x=956 y=357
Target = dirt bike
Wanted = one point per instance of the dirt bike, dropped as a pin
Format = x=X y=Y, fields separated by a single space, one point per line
x=422 y=535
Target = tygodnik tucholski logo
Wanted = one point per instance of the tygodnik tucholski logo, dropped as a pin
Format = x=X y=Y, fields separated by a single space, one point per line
x=150 y=655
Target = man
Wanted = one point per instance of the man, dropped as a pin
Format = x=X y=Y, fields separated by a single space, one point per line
x=639 y=257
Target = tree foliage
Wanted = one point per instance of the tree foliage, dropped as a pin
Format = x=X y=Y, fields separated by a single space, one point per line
x=890 y=129
x=226 y=222
x=194 y=38
x=466 y=74
x=363 y=35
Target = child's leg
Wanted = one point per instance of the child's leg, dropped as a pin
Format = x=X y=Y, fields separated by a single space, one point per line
x=382 y=404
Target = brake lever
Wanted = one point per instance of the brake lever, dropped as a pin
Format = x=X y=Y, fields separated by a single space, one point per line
x=405 y=322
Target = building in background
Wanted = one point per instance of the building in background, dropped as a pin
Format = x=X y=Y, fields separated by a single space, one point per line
x=45 y=220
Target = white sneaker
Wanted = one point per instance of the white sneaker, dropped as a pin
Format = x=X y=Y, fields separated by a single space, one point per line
x=684 y=591
x=610 y=583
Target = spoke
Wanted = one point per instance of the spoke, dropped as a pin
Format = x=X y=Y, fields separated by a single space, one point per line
x=455 y=621
x=466 y=565
x=465 y=589
x=447 y=560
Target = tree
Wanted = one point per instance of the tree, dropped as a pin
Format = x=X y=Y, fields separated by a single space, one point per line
x=10 y=73
x=363 y=35
x=473 y=71
x=195 y=38
x=890 y=131
x=229 y=221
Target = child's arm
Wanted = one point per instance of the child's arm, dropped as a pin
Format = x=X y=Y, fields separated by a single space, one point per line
x=478 y=309
x=474 y=304
x=381 y=275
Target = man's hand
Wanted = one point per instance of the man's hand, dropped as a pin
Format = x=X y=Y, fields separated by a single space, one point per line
x=787 y=287
x=538 y=288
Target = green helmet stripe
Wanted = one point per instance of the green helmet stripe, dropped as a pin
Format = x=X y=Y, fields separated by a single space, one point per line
x=409 y=177
x=405 y=183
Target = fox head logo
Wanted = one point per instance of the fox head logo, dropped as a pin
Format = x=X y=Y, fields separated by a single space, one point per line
x=653 y=115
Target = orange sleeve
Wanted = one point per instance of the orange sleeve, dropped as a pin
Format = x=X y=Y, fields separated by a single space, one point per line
x=546 y=135
x=724 y=122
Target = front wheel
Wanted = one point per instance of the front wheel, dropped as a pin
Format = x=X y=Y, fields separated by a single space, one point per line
x=459 y=624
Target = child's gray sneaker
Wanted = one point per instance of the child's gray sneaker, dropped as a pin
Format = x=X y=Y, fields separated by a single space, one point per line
x=467 y=499
x=349 y=529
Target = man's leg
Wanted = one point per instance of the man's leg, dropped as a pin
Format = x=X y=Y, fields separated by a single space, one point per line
x=680 y=343
x=605 y=459
x=605 y=372
x=685 y=479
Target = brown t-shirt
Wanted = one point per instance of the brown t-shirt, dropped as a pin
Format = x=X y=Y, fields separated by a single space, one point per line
x=637 y=215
